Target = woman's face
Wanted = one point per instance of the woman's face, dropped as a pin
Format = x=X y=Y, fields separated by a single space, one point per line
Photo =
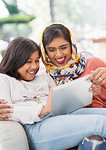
x=30 y=68
x=59 y=51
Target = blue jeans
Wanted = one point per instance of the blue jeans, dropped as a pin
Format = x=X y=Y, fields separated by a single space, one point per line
x=87 y=144
x=66 y=131
x=90 y=111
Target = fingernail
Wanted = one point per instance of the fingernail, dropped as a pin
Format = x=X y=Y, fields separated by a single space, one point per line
x=8 y=116
x=88 y=80
x=90 y=90
x=11 y=111
x=11 y=106
x=5 y=101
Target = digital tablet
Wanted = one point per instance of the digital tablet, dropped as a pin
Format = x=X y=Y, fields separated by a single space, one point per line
x=71 y=96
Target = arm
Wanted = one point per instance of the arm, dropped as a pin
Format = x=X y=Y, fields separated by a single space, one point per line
x=48 y=107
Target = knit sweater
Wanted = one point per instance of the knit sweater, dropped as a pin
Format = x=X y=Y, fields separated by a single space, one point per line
x=99 y=101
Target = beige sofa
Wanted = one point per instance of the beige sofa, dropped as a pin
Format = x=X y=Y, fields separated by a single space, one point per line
x=12 y=136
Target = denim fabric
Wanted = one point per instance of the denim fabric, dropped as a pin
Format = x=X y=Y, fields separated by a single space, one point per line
x=64 y=132
x=90 y=111
x=87 y=144
x=74 y=148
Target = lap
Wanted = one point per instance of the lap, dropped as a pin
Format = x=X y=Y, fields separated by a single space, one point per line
x=90 y=111
x=64 y=131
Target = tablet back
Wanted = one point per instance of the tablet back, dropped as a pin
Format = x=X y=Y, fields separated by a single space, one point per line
x=71 y=96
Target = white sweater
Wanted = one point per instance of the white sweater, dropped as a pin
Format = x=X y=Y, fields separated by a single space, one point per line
x=27 y=98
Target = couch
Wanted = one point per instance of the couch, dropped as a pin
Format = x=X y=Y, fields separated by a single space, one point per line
x=12 y=136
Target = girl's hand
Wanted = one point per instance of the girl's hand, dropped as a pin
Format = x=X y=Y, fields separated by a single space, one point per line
x=4 y=110
x=48 y=107
x=98 y=76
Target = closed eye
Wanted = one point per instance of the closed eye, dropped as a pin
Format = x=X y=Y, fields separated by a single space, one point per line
x=64 y=47
x=37 y=61
x=51 y=50
x=29 y=61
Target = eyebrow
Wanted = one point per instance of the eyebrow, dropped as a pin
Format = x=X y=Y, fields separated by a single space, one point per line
x=59 y=46
x=64 y=45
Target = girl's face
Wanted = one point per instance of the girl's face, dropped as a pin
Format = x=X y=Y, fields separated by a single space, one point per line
x=59 y=51
x=30 y=68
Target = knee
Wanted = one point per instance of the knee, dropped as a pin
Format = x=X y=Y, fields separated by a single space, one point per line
x=93 y=142
x=95 y=137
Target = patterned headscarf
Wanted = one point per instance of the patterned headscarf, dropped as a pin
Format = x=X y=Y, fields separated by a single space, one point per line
x=71 y=70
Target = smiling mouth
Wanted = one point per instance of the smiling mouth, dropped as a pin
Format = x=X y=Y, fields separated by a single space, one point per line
x=60 y=61
x=31 y=72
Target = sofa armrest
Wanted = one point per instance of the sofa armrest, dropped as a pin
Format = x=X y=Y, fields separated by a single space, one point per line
x=12 y=136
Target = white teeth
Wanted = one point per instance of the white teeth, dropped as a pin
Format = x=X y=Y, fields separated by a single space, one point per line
x=59 y=60
x=31 y=72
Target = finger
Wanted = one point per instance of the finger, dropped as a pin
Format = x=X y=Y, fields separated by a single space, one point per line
x=95 y=88
x=96 y=91
x=4 y=116
x=96 y=74
x=5 y=106
x=102 y=79
x=91 y=77
x=4 y=111
x=103 y=82
x=2 y=101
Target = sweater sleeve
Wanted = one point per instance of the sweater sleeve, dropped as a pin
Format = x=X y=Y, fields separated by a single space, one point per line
x=92 y=64
x=24 y=112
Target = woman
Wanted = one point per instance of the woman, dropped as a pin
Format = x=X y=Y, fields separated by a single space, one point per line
x=29 y=95
x=63 y=63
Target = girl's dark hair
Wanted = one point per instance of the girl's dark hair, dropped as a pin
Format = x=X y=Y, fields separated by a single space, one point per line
x=16 y=55
x=54 y=31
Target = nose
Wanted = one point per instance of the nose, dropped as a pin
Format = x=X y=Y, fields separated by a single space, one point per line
x=58 y=53
x=34 y=65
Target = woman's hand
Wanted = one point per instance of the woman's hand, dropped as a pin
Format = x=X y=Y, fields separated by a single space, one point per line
x=95 y=88
x=48 y=107
x=4 y=109
x=99 y=75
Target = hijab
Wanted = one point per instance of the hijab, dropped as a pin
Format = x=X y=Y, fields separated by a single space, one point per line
x=74 y=67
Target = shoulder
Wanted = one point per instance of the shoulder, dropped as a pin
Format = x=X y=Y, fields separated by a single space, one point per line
x=40 y=77
x=44 y=77
x=92 y=64
x=95 y=62
x=3 y=76
x=6 y=78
